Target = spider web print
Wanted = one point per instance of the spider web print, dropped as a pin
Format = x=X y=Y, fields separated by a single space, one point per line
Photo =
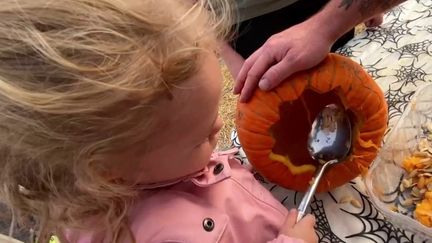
x=372 y=69
x=399 y=22
x=395 y=30
x=375 y=227
x=427 y=5
x=428 y=29
x=397 y=11
x=397 y=98
x=413 y=49
x=322 y=228
x=407 y=75
x=397 y=101
x=345 y=51
x=387 y=35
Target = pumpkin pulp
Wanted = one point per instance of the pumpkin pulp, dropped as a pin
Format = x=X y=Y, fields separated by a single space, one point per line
x=291 y=131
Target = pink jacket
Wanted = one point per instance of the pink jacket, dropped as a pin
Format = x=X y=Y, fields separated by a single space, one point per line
x=225 y=204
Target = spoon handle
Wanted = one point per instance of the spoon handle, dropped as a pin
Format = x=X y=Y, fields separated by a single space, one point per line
x=307 y=198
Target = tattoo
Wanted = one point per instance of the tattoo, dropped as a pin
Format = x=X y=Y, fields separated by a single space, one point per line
x=346 y=4
x=367 y=6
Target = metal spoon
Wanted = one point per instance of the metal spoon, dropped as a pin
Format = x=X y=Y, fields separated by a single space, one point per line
x=329 y=142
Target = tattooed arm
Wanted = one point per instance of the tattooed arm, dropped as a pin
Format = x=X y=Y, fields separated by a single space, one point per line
x=365 y=7
x=303 y=45
x=339 y=16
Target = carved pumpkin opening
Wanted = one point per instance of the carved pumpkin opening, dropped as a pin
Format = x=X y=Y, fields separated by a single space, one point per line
x=291 y=131
x=273 y=126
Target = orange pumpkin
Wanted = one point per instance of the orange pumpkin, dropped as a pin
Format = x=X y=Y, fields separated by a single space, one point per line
x=273 y=126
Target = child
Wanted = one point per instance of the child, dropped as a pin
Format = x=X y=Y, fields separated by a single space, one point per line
x=108 y=121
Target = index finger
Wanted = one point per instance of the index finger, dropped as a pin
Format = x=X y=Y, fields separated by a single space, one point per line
x=255 y=73
x=242 y=74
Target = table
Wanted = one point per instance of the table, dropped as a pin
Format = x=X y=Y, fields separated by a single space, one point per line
x=398 y=55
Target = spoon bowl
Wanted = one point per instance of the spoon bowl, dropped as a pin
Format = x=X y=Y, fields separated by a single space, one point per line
x=329 y=143
x=330 y=136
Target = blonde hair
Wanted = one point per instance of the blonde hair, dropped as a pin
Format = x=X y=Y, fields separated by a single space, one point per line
x=79 y=80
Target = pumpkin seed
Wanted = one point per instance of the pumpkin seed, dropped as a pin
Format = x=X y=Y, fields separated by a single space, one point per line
x=355 y=203
x=423 y=150
x=407 y=183
x=394 y=208
x=416 y=200
x=429 y=186
x=413 y=173
x=311 y=181
x=408 y=202
x=23 y=190
x=421 y=154
x=345 y=199
x=402 y=187
x=415 y=192
x=426 y=175
x=423 y=145
x=429 y=127
x=426 y=170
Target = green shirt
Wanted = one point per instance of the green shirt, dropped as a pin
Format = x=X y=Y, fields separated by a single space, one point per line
x=252 y=8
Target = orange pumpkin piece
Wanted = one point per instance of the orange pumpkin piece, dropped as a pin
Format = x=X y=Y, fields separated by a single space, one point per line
x=423 y=211
x=411 y=163
x=273 y=126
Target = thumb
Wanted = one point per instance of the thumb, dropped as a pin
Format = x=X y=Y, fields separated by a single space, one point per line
x=291 y=219
x=308 y=221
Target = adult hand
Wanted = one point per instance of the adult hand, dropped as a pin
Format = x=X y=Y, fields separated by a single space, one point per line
x=297 y=48
x=375 y=21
